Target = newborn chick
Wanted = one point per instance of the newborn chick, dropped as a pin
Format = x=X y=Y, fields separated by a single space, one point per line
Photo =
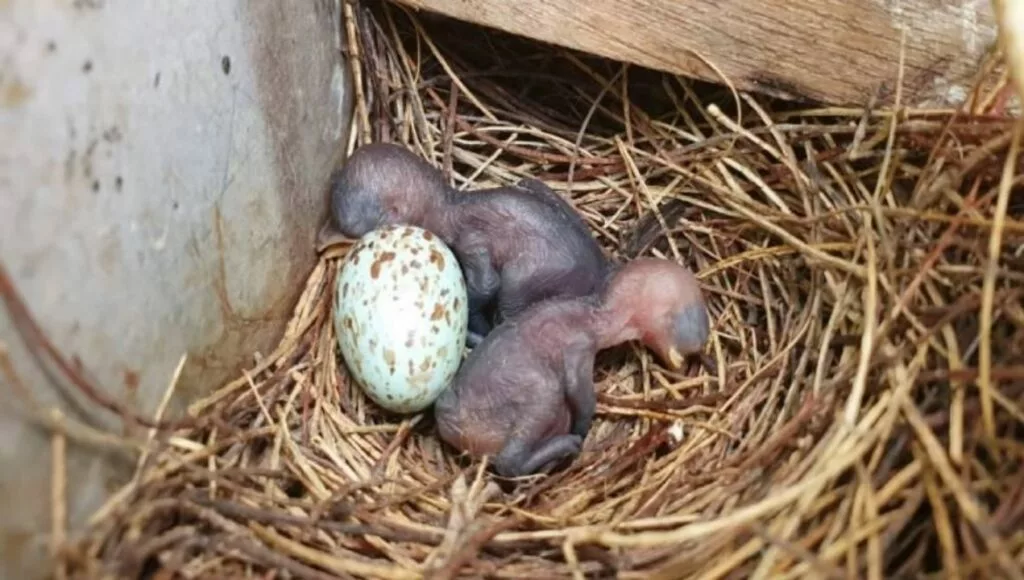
x=525 y=396
x=517 y=245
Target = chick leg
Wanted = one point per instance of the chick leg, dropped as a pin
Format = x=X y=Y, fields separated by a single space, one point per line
x=474 y=338
x=579 y=386
x=517 y=458
x=482 y=284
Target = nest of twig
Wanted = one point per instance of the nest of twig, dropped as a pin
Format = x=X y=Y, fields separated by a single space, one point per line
x=863 y=270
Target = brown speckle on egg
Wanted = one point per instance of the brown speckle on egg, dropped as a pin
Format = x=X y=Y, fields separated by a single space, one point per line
x=405 y=269
x=382 y=258
x=438 y=312
x=456 y=303
x=442 y=352
x=437 y=259
x=435 y=330
x=445 y=292
x=389 y=359
x=427 y=235
x=412 y=367
x=425 y=365
x=344 y=290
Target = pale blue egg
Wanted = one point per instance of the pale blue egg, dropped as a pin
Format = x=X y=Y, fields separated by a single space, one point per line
x=401 y=315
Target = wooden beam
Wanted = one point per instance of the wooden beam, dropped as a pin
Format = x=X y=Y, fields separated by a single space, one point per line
x=836 y=51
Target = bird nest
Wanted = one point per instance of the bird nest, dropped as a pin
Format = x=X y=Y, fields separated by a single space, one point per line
x=863 y=272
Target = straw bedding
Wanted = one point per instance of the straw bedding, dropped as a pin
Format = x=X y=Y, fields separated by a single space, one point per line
x=863 y=270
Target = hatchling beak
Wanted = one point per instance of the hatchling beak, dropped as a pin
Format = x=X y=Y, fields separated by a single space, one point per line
x=675 y=360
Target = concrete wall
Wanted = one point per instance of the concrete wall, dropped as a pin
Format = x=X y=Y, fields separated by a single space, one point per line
x=162 y=177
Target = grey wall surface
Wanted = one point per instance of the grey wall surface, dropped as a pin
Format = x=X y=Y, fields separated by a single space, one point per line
x=162 y=177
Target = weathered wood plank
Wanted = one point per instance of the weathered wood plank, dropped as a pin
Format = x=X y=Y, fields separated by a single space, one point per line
x=838 y=51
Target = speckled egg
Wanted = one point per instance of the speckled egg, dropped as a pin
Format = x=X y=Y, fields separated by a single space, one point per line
x=401 y=316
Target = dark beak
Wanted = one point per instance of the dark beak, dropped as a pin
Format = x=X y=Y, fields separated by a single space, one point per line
x=329 y=236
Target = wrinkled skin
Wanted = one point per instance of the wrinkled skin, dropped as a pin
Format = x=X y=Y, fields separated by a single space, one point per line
x=525 y=396
x=517 y=245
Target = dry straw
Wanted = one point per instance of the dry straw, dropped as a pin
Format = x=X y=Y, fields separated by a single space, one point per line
x=864 y=272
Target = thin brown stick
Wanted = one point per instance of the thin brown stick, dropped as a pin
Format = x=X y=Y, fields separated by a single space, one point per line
x=37 y=339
